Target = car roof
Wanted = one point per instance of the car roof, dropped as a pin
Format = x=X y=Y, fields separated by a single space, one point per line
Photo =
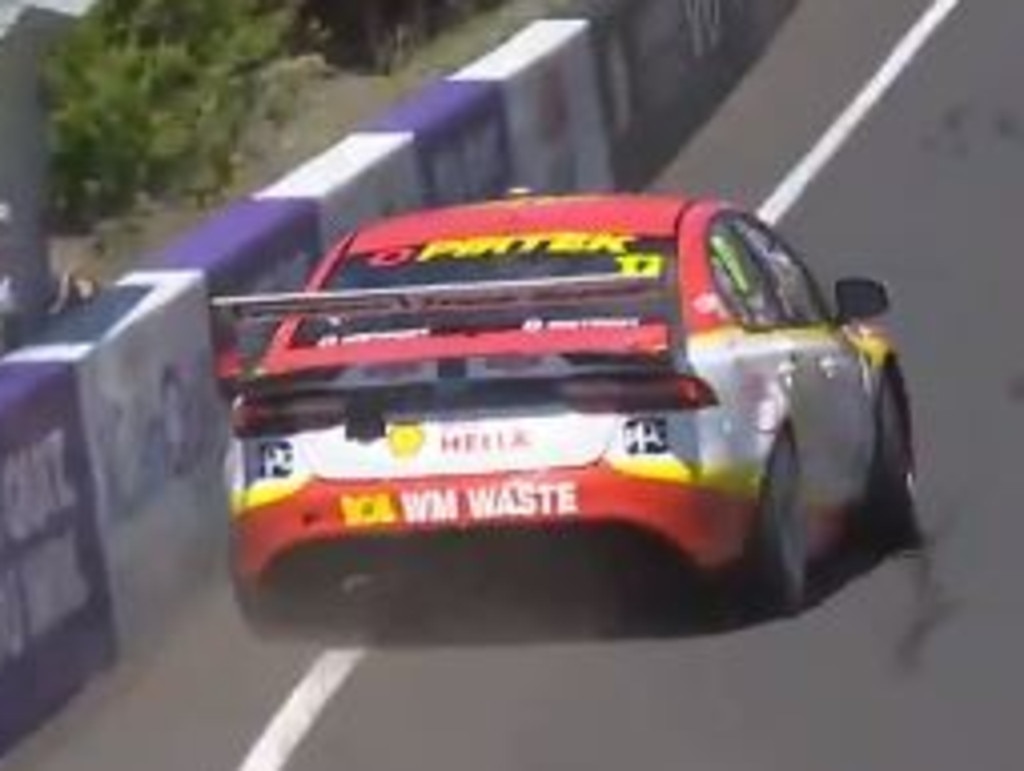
x=642 y=215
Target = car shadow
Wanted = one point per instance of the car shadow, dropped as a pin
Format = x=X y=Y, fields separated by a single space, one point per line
x=681 y=607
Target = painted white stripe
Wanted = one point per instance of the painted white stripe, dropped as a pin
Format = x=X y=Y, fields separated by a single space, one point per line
x=331 y=670
x=298 y=714
x=793 y=187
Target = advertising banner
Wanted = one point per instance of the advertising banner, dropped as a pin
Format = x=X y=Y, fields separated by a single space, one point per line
x=461 y=140
x=548 y=83
x=55 y=612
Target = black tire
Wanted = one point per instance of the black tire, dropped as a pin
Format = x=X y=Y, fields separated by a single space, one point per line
x=775 y=570
x=888 y=517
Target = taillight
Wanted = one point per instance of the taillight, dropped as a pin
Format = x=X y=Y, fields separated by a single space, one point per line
x=684 y=392
x=251 y=417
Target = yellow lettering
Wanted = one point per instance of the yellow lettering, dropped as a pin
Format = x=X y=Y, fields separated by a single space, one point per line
x=605 y=242
x=467 y=248
x=571 y=243
x=641 y=265
x=499 y=245
x=440 y=249
x=531 y=243
x=553 y=243
x=361 y=511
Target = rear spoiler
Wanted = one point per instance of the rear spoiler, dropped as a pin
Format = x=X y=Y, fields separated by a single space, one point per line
x=452 y=300
x=438 y=298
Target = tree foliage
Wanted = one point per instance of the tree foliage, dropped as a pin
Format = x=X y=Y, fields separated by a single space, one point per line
x=148 y=97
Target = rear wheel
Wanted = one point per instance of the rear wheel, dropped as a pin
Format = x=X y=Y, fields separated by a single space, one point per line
x=776 y=569
x=888 y=517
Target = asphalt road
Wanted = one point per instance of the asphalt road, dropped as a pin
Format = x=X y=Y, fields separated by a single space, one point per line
x=902 y=669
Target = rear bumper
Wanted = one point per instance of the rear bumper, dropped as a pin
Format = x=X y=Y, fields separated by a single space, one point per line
x=578 y=582
x=698 y=525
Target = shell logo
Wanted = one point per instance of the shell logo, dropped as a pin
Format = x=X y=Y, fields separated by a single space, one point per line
x=406 y=441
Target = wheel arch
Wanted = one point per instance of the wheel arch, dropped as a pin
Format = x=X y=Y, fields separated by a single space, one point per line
x=891 y=373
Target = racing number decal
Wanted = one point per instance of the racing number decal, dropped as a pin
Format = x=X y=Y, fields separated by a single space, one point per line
x=366 y=511
x=641 y=265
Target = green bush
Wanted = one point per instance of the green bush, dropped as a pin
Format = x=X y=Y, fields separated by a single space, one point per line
x=148 y=97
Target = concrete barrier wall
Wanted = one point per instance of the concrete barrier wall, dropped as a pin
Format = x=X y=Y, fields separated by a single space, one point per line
x=460 y=138
x=56 y=622
x=548 y=86
x=112 y=502
x=362 y=177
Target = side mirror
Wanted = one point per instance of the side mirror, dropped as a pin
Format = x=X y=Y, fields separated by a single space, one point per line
x=859 y=299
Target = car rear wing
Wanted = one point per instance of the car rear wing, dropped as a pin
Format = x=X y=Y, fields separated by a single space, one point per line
x=447 y=302
x=440 y=298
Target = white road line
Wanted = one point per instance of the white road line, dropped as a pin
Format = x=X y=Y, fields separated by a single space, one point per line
x=299 y=713
x=793 y=187
x=331 y=670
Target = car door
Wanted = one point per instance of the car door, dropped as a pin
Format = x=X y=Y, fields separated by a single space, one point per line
x=832 y=369
x=765 y=380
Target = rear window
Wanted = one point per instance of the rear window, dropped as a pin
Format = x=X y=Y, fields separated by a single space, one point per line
x=481 y=260
x=506 y=258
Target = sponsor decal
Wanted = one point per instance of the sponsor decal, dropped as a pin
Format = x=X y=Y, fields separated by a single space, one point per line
x=646 y=436
x=369 y=511
x=431 y=507
x=489 y=503
x=484 y=503
x=392 y=258
x=384 y=336
x=574 y=325
x=522 y=500
x=631 y=259
x=405 y=441
x=484 y=441
x=275 y=459
x=547 y=243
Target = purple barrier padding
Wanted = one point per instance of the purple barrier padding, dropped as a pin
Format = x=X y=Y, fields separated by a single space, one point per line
x=56 y=622
x=461 y=137
x=249 y=245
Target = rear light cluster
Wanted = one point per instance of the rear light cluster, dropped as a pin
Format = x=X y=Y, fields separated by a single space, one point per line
x=252 y=417
x=668 y=394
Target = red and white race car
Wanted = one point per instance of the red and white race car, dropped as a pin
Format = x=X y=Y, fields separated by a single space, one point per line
x=545 y=400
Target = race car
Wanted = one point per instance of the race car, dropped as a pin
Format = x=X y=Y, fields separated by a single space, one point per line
x=561 y=400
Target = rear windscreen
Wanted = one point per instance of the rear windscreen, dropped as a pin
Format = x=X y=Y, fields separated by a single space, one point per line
x=506 y=258
x=481 y=260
